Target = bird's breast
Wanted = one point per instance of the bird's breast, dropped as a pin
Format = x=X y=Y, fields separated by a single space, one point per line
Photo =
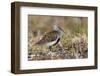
x=53 y=42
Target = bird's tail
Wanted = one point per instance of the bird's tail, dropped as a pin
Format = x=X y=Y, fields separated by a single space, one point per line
x=38 y=43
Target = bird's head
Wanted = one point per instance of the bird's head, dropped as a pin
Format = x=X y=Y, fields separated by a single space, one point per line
x=58 y=28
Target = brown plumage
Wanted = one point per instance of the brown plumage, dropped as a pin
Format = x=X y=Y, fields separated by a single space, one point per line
x=48 y=37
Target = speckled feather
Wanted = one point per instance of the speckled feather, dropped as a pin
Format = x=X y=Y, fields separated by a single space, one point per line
x=49 y=37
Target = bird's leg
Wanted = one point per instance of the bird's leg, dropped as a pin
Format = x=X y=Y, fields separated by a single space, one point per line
x=60 y=44
x=62 y=50
x=50 y=48
x=50 y=51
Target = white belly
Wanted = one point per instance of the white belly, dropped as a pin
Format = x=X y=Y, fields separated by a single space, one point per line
x=51 y=43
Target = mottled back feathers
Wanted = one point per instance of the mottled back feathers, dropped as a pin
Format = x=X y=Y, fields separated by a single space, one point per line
x=49 y=37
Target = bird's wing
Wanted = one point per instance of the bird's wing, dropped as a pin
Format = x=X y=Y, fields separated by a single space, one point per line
x=49 y=37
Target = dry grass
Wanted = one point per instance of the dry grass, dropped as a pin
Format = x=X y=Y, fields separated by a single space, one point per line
x=74 y=46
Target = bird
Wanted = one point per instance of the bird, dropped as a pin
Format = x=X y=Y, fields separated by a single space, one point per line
x=51 y=38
